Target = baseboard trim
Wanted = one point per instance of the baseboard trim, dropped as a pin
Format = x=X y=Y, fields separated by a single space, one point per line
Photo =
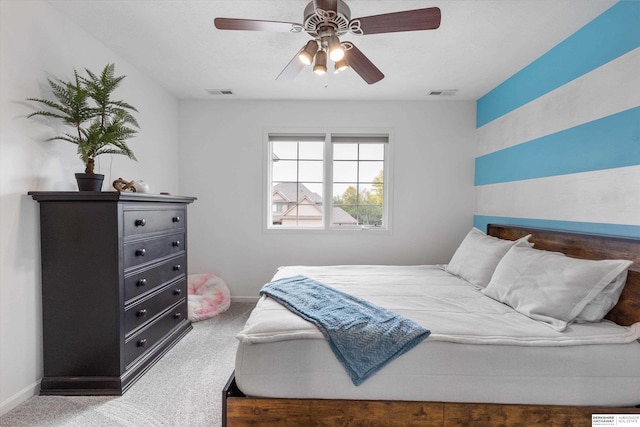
x=20 y=397
x=245 y=299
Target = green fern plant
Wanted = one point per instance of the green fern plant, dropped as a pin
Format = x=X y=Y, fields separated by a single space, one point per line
x=100 y=125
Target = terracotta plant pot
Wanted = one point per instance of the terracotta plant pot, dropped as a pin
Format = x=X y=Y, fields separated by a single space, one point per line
x=89 y=182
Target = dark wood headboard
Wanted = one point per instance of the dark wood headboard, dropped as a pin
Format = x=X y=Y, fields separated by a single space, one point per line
x=588 y=246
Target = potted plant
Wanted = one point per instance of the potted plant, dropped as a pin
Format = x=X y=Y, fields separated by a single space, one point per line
x=99 y=124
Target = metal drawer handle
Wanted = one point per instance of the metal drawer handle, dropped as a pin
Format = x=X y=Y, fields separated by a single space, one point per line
x=177 y=291
x=175 y=219
x=177 y=315
x=142 y=343
x=141 y=252
x=177 y=267
x=141 y=222
x=141 y=313
x=176 y=243
x=141 y=282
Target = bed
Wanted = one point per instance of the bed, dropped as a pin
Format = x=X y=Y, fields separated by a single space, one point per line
x=450 y=378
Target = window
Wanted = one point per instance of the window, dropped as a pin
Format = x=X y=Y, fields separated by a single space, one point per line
x=297 y=170
x=328 y=181
x=358 y=180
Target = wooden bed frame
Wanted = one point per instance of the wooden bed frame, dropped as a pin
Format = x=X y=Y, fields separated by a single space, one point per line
x=239 y=410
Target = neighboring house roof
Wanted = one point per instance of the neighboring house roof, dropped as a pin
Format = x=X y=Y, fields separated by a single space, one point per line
x=289 y=190
x=340 y=216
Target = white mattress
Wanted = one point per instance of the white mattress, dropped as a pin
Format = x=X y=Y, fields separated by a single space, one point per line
x=462 y=360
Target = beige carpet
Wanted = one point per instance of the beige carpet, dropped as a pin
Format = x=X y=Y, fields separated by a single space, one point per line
x=183 y=389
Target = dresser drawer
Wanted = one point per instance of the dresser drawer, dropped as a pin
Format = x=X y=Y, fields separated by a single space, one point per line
x=146 y=280
x=150 y=221
x=146 y=338
x=144 y=251
x=147 y=309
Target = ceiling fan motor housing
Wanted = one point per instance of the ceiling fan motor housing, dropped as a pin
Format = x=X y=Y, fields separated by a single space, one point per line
x=316 y=21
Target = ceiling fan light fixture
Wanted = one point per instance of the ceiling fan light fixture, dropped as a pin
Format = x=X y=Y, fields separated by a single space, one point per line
x=340 y=65
x=336 y=51
x=320 y=66
x=309 y=51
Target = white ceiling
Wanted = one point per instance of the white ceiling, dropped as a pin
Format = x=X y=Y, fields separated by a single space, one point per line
x=480 y=43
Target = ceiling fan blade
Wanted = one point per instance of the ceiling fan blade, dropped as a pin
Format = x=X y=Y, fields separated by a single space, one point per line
x=362 y=65
x=292 y=68
x=326 y=5
x=408 y=20
x=256 y=25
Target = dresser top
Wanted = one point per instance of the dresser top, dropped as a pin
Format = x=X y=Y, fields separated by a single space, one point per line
x=106 y=196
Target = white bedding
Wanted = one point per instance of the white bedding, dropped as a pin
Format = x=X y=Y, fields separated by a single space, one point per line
x=527 y=362
x=453 y=309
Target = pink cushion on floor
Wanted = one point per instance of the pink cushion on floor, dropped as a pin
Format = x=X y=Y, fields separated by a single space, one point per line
x=208 y=296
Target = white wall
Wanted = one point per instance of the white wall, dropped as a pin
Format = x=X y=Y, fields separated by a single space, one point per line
x=222 y=163
x=36 y=41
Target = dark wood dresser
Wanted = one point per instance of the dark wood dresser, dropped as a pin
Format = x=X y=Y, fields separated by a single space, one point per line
x=114 y=287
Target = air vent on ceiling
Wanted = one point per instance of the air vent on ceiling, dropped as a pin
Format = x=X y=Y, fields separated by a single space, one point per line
x=443 y=92
x=220 y=91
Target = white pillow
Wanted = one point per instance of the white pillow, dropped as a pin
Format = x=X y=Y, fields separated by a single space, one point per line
x=604 y=301
x=548 y=286
x=478 y=255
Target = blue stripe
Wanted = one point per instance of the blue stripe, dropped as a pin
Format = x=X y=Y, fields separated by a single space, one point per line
x=610 y=35
x=481 y=221
x=610 y=142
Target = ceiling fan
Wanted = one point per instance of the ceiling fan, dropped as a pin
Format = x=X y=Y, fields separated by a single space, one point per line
x=326 y=21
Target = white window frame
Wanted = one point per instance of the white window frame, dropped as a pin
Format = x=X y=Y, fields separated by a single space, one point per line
x=360 y=133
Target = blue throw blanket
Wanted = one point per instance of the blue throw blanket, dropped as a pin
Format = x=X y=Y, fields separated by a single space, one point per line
x=363 y=336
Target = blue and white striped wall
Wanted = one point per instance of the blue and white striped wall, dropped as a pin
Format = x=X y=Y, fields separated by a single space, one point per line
x=559 y=141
